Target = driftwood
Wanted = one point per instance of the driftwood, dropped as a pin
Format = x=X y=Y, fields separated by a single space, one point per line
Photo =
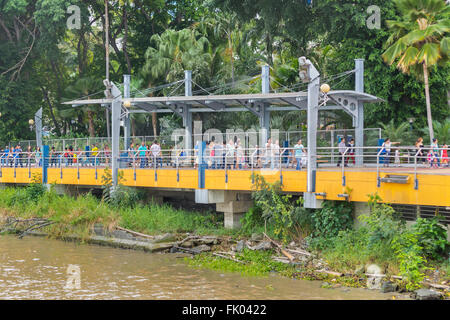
x=284 y=252
x=191 y=251
x=299 y=252
x=437 y=286
x=135 y=233
x=337 y=274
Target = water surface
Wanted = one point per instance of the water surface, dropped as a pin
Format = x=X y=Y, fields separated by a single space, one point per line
x=36 y=268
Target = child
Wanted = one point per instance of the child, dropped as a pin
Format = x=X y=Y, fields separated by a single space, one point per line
x=432 y=159
x=444 y=155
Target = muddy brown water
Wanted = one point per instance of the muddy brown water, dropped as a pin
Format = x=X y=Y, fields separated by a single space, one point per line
x=37 y=268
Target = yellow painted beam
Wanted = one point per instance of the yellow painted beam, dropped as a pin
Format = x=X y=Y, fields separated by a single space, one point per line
x=434 y=187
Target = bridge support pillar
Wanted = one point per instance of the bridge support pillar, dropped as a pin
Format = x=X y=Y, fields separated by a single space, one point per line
x=359 y=209
x=233 y=204
x=233 y=212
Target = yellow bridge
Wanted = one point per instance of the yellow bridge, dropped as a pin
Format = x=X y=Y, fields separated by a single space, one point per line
x=433 y=184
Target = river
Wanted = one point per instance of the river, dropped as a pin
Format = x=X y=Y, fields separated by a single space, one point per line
x=37 y=268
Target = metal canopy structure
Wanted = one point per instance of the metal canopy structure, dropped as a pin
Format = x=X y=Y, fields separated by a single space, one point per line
x=260 y=104
x=237 y=102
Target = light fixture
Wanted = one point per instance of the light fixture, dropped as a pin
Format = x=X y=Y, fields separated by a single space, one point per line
x=325 y=88
x=31 y=122
x=127 y=103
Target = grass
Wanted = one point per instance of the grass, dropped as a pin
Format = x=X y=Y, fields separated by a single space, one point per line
x=76 y=215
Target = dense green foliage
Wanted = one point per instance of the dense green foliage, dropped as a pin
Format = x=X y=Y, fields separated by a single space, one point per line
x=78 y=214
x=43 y=63
x=382 y=238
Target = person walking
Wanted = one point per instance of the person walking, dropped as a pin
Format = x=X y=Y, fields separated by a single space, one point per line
x=387 y=144
x=156 y=153
x=435 y=151
x=351 y=151
x=298 y=154
x=444 y=156
x=342 y=147
x=38 y=157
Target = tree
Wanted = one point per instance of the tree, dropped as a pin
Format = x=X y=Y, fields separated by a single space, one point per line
x=84 y=87
x=419 y=41
x=173 y=53
x=397 y=133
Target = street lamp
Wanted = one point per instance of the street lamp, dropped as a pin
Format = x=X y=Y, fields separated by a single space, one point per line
x=411 y=120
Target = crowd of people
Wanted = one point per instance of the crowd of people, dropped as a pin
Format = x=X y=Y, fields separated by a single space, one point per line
x=232 y=155
x=219 y=155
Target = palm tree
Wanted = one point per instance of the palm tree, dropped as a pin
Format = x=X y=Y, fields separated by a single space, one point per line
x=173 y=53
x=84 y=87
x=225 y=26
x=420 y=40
x=441 y=131
x=398 y=133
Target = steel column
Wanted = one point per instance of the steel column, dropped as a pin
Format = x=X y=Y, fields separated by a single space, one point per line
x=116 y=107
x=187 y=116
x=264 y=118
x=359 y=128
x=38 y=126
x=126 y=119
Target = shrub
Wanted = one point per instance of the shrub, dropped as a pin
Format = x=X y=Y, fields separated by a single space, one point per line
x=432 y=237
x=335 y=216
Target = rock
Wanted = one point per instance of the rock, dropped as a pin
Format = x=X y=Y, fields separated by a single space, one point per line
x=359 y=270
x=427 y=294
x=187 y=244
x=240 y=246
x=202 y=248
x=120 y=234
x=374 y=283
x=173 y=250
x=99 y=230
x=257 y=237
x=206 y=240
x=373 y=269
x=388 y=286
x=168 y=237
x=265 y=245
x=325 y=285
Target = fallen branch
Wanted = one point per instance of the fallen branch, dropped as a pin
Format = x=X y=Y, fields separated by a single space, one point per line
x=186 y=239
x=136 y=233
x=284 y=252
x=337 y=274
x=300 y=252
x=35 y=228
x=229 y=258
x=191 y=251
x=437 y=286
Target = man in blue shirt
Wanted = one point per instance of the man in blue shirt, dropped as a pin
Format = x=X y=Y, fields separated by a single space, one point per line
x=142 y=155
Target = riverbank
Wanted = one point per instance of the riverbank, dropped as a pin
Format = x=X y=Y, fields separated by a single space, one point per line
x=157 y=228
